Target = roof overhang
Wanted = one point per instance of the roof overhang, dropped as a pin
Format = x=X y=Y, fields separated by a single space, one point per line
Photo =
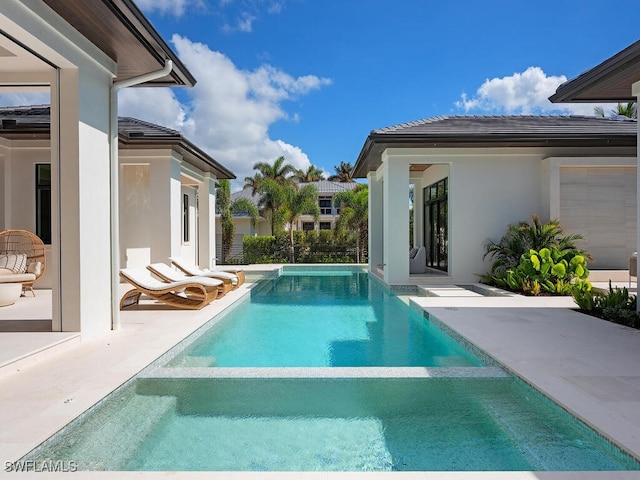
x=190 y=152
x=608 y=82
x=122 y=32
x=370 y=157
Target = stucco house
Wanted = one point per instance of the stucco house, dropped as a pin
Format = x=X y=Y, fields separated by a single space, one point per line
x=328 y=214
x=617 y=79
x=80 y=52
x=475 y=175
x=166 y=188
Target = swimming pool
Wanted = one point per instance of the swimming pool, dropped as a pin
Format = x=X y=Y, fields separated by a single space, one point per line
x=452 y=418
x=311 y=318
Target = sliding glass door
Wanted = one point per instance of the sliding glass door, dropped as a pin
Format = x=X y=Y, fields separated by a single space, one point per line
x=436 y=231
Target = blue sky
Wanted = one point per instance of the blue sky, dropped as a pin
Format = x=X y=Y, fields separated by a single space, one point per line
x=309 y=79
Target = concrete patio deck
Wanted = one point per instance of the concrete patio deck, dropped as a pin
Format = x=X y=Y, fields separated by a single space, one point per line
x=588 y=365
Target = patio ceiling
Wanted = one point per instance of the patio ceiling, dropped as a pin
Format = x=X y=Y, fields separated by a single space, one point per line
x=608 y=82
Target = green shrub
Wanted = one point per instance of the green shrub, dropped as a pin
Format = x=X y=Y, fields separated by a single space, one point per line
x=616 y=305
x=536 y=258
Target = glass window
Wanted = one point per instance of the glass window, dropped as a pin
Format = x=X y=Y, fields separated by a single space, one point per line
x=325 y=205
x=43 y=202
x=185 y=218
x=306 y=226
x=325 y=225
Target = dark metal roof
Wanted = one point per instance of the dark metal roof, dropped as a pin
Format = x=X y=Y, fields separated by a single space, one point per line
x=608 y=82
x=496 y=131
x=121 y=31
x=34 y=122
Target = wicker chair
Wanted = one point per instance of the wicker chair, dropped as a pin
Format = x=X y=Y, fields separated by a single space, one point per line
x=22 y=241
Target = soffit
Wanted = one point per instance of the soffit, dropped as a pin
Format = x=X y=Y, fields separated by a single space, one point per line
x=122 y=32
x=608 y=82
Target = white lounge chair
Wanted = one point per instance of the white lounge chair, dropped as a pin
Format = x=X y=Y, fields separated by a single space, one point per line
x=188 y=294
x=168 y=274
x=236 y=276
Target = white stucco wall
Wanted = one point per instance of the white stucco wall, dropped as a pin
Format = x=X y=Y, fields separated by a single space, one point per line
x=17 y=173
x=488 y=190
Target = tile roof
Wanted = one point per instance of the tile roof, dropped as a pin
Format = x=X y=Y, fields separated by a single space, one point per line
x=28 y=121
x=497 y=131
x=516 y=125
x=326 y=186
x=323 y=187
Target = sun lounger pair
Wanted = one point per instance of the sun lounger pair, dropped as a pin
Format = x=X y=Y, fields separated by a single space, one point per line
x=235 y=275
x=177 y=289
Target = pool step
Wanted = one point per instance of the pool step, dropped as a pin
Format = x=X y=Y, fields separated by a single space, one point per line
x=325 y=372
x=446 y=291
x=198 y=361
x=94 y=439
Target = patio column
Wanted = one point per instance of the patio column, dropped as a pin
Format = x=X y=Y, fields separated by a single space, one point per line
x=396 y=219
x=207 y=221
x=166 y=224
x=375 y=222
x=80 y=115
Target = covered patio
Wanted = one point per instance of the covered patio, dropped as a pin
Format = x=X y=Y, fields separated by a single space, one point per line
x=62 y=49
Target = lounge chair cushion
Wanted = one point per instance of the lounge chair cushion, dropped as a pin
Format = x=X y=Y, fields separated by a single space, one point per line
x=17 y=278
x=35 y=268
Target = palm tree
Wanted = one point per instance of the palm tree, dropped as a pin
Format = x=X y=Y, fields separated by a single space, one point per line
x=279 y=172
x=354 y=215
x=343 y=173
x=312 y=174
x=293 y=202
x=629 y=110
x=227 y=208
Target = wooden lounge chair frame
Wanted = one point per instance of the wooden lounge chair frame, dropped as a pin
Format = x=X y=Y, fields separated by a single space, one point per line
x=184 y=295
x=224 y=284
x=195 y=271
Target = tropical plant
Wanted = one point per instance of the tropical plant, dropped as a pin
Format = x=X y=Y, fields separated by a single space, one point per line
x=292 y=202
x=546 y=270
x=354 y=215
x=279 y=172
x=520 y=239
x=311 y=174
x=626 y=110
x=615 y=305
x=226 y=208
x=343 y=173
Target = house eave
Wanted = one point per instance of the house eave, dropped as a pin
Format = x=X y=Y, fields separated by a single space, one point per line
x=122 y=32
x=610 y=81
x=369 y=158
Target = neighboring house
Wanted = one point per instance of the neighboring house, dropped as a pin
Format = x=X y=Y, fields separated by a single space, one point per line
x=167 y=188
x=63 y=48
x=475 y=175
x=328 y=214
x=617 y=79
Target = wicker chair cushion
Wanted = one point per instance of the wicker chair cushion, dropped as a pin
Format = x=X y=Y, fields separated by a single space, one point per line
x=16 y=262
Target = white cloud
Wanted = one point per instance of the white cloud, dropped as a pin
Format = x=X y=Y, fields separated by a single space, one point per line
x=244 y=23
x=164 y=7
x=24 y=99
x=229 y=111
x=523 y=93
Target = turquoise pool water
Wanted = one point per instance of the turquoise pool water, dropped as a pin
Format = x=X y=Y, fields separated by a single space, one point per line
x=448 y=419
x=334 y=425
x=311 y=319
